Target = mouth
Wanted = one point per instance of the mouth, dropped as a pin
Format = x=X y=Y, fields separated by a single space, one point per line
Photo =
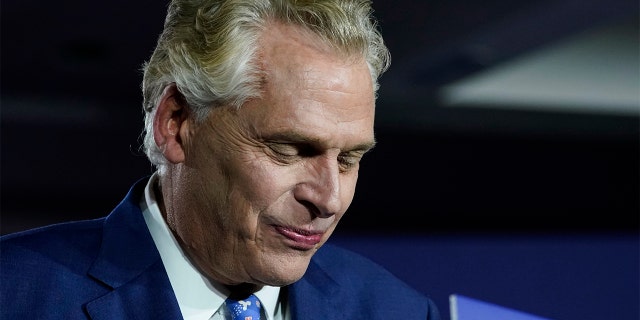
x=300 y=239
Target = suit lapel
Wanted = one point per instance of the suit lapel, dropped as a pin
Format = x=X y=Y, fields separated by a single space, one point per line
x=148 y=296
x=129 y=263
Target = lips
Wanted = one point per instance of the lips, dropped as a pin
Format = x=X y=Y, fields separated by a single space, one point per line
x=302 y=239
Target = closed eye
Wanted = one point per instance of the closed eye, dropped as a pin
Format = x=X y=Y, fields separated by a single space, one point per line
x=282 y=151
x=349 y=161
x=290 y=152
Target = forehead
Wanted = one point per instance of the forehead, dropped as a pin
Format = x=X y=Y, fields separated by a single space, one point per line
x=310 y=88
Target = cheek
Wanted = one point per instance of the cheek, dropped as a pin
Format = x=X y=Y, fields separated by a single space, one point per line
x=263 y=182
x=348 y=185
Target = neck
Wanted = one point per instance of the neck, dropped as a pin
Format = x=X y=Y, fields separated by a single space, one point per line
x=243 y=290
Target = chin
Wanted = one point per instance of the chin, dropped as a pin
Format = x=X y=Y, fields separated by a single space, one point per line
x=285 y=273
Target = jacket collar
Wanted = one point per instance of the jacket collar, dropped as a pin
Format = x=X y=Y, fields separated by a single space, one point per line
x=129 y=263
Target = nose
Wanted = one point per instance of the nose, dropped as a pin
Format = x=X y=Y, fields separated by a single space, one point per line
x=320 y=189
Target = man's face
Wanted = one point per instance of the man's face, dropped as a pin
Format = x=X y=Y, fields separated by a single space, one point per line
x=264 y=186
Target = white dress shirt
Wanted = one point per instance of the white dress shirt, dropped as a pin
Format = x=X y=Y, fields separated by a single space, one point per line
x=198 y=297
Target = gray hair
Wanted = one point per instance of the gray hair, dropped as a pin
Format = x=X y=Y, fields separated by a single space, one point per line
x=208 y=49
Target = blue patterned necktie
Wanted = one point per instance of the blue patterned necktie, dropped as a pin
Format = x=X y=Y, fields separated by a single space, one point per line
x=245 y=309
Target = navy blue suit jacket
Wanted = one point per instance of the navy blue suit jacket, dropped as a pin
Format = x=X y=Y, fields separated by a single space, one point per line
x=109 y=268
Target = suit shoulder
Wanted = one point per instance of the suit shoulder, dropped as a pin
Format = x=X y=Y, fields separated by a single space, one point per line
x=66 y=243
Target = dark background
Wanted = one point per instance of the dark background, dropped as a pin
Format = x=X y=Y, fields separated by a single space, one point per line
x=71 y=118
x=72 y=115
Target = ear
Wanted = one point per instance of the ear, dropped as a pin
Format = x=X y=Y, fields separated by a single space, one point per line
x=169 y=124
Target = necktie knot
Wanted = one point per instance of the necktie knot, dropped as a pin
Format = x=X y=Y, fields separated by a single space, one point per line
x=244 y=309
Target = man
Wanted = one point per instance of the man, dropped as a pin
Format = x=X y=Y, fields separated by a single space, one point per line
x=257 y=116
